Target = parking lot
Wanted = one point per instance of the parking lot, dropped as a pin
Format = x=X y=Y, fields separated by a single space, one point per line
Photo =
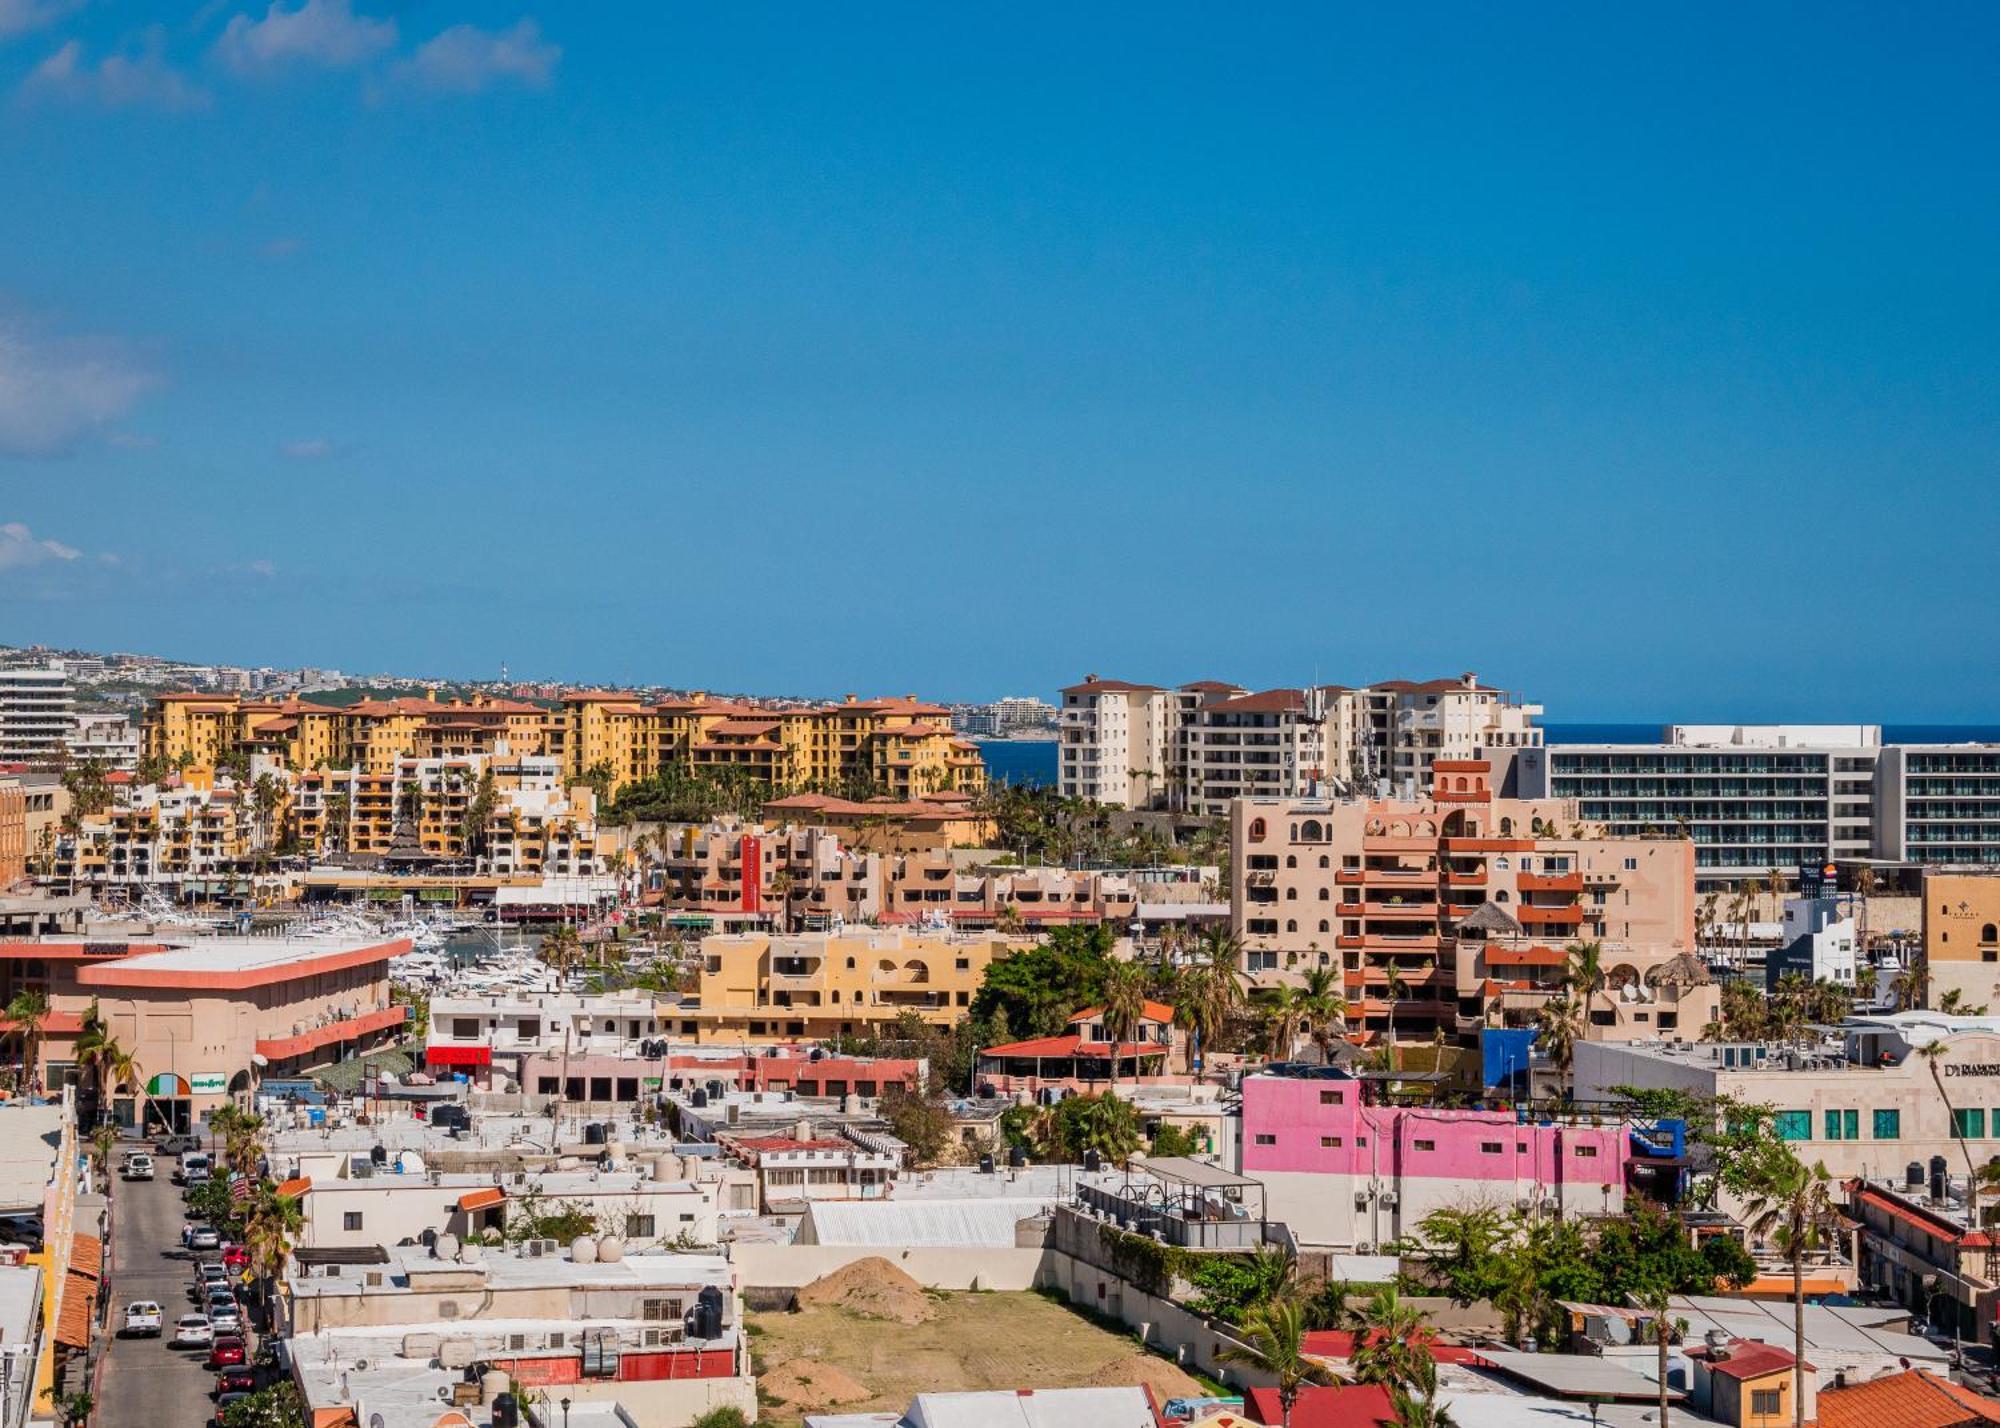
x=143 y=1381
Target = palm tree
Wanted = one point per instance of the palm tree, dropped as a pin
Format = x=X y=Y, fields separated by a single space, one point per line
x=561 y=948
x=1325 y=1008
x=1211 y=988
x=1393 y=1336
x=1794 y=1211
x=1284 y=1014
x=1418 y=1406
x=29 y=1011
x=270 y=1229
x=1124 y=1010
x=1394 y=988
x=97 y=1054
x=1663 y=1333
x=1557 y=1026
x=1585 y=971
x=1273 y=1339
x=1752 y=889
x=1934 y=1058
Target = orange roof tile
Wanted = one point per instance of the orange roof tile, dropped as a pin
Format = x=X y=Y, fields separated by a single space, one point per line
x=86 y=1255
x=296 y=1187
x=78 y=1313
x=1914 y=1399
x=481 y=1199
x=1747 y=1359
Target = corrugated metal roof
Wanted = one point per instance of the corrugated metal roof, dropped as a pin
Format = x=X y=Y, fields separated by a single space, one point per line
x=899 y=1224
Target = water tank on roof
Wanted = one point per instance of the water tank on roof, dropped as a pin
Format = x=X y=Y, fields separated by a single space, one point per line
x=699 y=1100
x=593 y=1133
x=665 y=1167
x=446 y=1247
x=583 y=1249
x=1017 y=1157
x=492 y=1384
x=379 y=1154
x=610 y=1250
x=1913 y=1175
x=1092 y=1161
x=985 y=1165
x=1939 y=1165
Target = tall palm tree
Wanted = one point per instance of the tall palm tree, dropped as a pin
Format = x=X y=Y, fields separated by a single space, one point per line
x=29 y=1012
x=1393 y=1336
x=561 y=948
x=1284 y=1014
x=1273 y=1339
x=1793 y=1210
x=1585 y=971
x=1211 y=988
x=1418 y=1406
x=1124 y=1010
x=1395 y=989
x=1661 y=1307
x=1325 y=1008
x=271 y=1227
x=97 y=1055
x=1558 y=1024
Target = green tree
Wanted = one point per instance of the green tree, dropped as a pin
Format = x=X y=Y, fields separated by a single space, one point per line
x=1036 y=990
x=1417 y=1405
x=922 y=1124
x=1124 y=1009
x=1231 y=1287
x=28 y=1013
x=1791 y=1208
x=1273 y=1339
x=1394 y=1341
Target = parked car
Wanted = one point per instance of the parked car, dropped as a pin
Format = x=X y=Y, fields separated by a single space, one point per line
x=223 y=1403
x=235 y=1257
x=225 y=1316
x=204 y=1238
x=143 y=1319
x=228 y=1351
x=193 y=1331
x=241 y=1379
x=139 y=1167
x=177 y=1144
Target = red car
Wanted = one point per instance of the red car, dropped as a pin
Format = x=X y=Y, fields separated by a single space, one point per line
x=242 y=1379
x=235 y=1256
x=227 y=1352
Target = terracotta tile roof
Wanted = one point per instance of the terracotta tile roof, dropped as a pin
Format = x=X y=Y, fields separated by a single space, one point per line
x=296 y=1187
x=1073 y=1046
x=78 y=1313
x=1153 y=1011
x=1746 y=1359
x=1361 y=1405
x=1905 y=1400
x=86 y=1255
x=1269 y=701
x=1094 y=685
x=1208 y=686
x=482 y=1199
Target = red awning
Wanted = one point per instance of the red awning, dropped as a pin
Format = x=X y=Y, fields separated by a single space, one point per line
x=459 y=1055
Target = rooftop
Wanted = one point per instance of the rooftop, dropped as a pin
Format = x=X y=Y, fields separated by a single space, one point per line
x=502 y=1270
x=32 y=1133
x=1905 y=1400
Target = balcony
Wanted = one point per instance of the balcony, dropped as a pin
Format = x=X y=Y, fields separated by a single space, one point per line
x=1348 y=876
x=1550 y=882
x=1465 y=878
x=1528 y=915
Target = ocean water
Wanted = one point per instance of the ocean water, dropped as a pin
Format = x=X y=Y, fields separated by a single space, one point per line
x=1034 y=764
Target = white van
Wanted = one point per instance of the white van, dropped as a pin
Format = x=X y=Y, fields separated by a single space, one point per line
x=194 y=1166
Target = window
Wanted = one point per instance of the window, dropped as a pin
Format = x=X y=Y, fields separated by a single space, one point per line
x=1490 y=1147
x=1843 y=1125
x=1793 y=1125
x=1764 y=1402
x=1267 y=1140
x=660 y=1311
x=1329 y=1142
x=639 y=1227
x=351 y=1220
x=1331 y=1098
x=1969 y=1124
x=1424 y=1145
x=1888 y=1125
x=1586 y=1152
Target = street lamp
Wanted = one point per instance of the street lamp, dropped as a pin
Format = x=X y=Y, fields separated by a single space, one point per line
x=565 y=1409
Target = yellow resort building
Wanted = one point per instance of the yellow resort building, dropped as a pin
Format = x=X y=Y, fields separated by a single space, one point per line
x=753 y=986
x=899 y=747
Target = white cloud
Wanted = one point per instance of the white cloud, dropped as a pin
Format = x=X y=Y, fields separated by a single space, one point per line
x=17 y=17
x=466 y=59
x=316 y=449
x=138 y=79
x=265 y=568
x=54 y=391
x=20 y=549
x=326 y=33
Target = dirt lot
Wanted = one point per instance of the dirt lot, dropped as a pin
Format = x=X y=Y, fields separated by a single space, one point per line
x=976 y=1341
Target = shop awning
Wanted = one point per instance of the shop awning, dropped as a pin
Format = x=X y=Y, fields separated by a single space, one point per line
x=86 y=1255
x=78 y=1313
x=166 y=1083
x=459 y=1055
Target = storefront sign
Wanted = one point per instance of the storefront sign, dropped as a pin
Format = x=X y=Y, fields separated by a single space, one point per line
x=1972 y=1068
x=209 y=1083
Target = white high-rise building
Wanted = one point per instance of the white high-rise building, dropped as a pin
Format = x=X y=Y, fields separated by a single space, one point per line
x=1198 y=746
x=37 y=713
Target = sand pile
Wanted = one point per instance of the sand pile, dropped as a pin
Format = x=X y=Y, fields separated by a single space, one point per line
x=1147 y=1371
x=810 y=1386
x=872 y=1288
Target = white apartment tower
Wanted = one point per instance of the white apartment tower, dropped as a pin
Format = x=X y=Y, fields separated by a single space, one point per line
x=1200 y=745
x=37 y=714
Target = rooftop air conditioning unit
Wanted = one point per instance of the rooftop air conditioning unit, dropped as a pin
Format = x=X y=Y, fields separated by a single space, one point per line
x=1360 y=1199
x=543 y=1249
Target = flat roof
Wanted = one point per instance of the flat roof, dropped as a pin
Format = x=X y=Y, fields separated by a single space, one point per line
x=1577 y=1375
x=20 y=1293
x=25 y=1171
x=238 y=963
x=1192 y=1172
x=509 y=1269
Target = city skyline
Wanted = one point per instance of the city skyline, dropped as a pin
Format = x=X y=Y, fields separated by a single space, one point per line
x=1636 y=369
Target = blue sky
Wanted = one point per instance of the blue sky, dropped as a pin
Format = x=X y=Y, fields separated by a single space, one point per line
x=1644 y=361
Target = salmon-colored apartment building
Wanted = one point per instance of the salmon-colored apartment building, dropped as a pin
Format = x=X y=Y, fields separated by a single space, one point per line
x=1431 y=890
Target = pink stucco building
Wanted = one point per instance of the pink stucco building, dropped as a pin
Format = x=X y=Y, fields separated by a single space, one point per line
x=1344 y=1173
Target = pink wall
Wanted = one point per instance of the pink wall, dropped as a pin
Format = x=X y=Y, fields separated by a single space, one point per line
x=1301 y=1116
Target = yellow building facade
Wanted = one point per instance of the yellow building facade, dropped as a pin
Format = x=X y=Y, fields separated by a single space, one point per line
x=754 y=986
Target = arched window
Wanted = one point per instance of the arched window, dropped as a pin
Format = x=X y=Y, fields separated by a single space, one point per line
x=1325 y=926
x=1500 y=896
x=1325 y=895
x=1291 y=860
x=1989 y=933
x=1292 y=925
x=1256 y=830
x=1324 y=861
x=1309 y=830
x=1506 y=827
x=1291 y=894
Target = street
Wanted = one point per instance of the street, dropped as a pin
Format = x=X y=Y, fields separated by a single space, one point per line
x=143 y=1382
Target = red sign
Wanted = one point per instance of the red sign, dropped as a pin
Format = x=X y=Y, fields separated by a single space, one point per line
x=752 y=852
x=459 y=1055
